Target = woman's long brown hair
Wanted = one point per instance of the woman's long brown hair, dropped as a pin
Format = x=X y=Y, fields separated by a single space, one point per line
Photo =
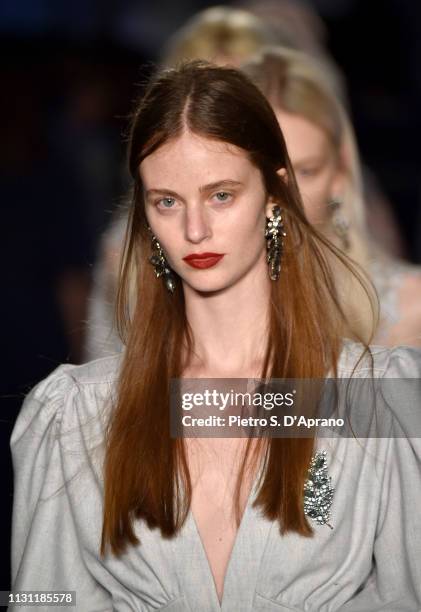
x=146 y=474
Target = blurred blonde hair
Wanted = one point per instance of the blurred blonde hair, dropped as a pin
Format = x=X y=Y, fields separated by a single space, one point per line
x=219 y=34
x=301 y=85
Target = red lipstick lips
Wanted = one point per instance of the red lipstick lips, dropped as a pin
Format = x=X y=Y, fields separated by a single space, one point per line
x=203 y=260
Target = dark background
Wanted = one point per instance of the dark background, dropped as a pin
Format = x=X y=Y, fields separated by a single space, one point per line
x=69 y=74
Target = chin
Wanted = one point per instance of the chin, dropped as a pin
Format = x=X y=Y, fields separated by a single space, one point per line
x=211 y=285
x=207 y=287
x=204 y=283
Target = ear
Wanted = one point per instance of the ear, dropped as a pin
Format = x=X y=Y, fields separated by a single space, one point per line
x=283 y=175
x=268 y=209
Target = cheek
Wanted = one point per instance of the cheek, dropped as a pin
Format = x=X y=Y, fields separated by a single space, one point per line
x=172 y=249
x=316 y=193
x=241 y=223
x=248 y=238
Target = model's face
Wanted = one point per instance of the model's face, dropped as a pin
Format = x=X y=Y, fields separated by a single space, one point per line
x=316 y=165
x=205 y=198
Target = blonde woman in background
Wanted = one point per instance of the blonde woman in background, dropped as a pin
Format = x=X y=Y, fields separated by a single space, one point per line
x=322 y=147
x=219 y=34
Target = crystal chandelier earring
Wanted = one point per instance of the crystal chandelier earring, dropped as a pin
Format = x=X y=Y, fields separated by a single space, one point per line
x=274 y=235
x=339 y=222
x=161 y=265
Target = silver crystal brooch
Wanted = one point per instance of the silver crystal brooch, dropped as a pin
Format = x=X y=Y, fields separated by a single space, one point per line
x=318 y=491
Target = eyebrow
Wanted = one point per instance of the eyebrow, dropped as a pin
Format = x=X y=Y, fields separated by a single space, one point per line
x=209 y=187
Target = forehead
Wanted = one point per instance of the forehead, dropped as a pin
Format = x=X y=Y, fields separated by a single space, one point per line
x=194 y=157
x=303 y=137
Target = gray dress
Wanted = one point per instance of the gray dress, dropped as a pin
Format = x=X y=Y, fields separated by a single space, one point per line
x=370 y=560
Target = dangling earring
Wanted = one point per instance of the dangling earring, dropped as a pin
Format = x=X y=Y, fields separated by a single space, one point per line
x=339 y=222
x=274 y=233
x=161 y=265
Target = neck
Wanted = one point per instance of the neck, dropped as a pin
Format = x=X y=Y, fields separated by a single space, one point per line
x=230 y=327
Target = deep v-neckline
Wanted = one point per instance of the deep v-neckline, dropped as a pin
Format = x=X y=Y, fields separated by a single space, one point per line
x=243 y=564
x=199 y=539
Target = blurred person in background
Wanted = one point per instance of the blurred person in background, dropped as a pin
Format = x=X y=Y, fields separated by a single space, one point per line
x=296 y=24
x=324 y=154
x=219 y=34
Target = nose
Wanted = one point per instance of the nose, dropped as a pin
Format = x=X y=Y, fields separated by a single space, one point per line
x=197 y=226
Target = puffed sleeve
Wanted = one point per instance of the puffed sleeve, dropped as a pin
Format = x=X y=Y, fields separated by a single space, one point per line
x=395 y=582
x=46 y=554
